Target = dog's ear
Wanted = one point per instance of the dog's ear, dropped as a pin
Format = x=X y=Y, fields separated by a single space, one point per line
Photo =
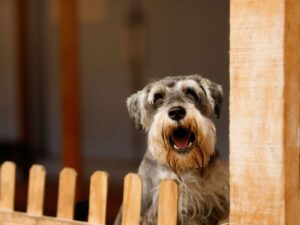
x=214 y=93
x=134 y=109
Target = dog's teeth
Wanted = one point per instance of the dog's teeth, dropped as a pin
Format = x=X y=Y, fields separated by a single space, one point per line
x=190 y=144
x=175 y=146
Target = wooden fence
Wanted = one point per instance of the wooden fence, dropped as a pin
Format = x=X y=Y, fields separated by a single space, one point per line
x=167 y=209
x=264 y=134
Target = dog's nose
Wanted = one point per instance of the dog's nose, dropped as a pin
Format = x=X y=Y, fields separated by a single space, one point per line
x=177 y=113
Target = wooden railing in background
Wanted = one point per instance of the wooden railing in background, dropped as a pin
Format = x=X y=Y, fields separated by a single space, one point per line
x=167 y=209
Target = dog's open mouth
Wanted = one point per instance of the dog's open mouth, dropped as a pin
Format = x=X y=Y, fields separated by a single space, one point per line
x=182 y=139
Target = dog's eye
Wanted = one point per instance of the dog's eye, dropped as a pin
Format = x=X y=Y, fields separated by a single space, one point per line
x=191 y=93
x=158 y=98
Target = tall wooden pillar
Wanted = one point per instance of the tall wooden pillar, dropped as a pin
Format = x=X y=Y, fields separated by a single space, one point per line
x=70 y=86
x=264 y=111
x=22 y=70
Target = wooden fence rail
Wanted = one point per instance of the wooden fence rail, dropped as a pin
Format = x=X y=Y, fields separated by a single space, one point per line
x=66 y=195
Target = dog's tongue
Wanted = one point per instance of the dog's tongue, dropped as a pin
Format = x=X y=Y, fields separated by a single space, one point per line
x=181 y=142
x=182 y=139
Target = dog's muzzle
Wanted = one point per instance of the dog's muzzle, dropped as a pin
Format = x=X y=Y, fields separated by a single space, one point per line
x=182 y=139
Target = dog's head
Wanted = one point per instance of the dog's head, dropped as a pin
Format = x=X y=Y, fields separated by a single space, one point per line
x=176 y=112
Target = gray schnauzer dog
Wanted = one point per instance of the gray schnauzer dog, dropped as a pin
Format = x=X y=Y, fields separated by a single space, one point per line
x=176 y=112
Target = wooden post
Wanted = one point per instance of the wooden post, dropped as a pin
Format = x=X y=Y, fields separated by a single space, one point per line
x=264 y=111
x=22 y=71
x=70 y=87
x=36 y=190
x=98 y=198
x=7 y=186
x=132 y=198
x=66 y=193
x=167 y=204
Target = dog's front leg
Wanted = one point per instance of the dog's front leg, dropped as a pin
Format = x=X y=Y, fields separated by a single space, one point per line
x=147 y=171
x=150 y=216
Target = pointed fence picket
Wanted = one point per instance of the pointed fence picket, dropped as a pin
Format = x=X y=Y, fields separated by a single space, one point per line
x=132 y=196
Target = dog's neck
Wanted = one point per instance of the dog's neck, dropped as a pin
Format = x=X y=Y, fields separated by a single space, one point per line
x=203 y=172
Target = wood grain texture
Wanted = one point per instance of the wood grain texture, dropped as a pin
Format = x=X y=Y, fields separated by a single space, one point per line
x=36 y=190
x=66 y=193
x=168 y=201
x=98 y=198
x=264 y=111
x=291 y=113
x=7 y=186
x=132 y=197
x=17 y=218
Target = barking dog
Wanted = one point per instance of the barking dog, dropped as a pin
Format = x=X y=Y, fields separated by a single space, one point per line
x=176 y=112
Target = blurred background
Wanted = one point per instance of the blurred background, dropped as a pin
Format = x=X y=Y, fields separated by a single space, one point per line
x=67 y=67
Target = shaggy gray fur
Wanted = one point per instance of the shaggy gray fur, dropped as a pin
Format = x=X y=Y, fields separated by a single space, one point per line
x=203 y=185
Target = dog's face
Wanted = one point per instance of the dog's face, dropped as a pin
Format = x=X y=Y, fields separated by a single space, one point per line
x=175 y=112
